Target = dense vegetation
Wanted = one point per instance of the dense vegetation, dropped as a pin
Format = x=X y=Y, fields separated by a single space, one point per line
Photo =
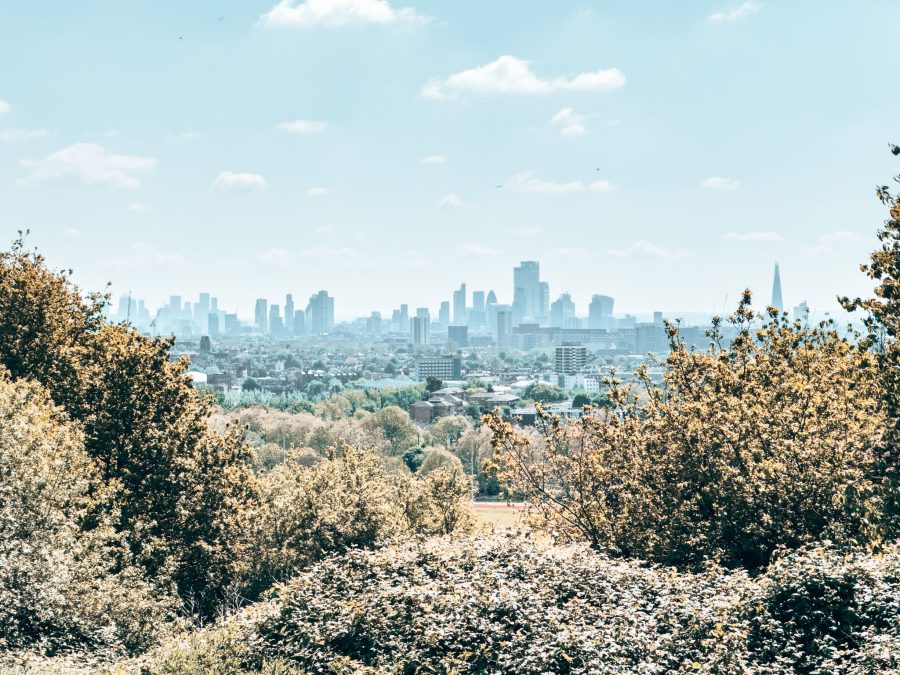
x=741 y=517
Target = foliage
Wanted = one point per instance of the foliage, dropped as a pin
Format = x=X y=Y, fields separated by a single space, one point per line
x=883 y=338
x=174 y=484
x=67 y=580
x=544 y=393
x=748 y=448
x=523 y=607
x=432 y=384
x=396 y=427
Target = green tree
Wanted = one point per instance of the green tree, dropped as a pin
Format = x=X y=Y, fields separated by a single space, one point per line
x=432 y=384
x=397 y=427
x=250 y=384
x=544 y=393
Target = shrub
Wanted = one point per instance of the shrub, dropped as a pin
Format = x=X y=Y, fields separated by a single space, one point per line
x=762 y=444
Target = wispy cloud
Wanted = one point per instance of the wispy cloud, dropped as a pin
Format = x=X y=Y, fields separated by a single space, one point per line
x=72 y=232
x=569 y=122
x=274 y=257
x=303 y=126
x=434 y=159
x=138 y=207
x=13 y=135
x=571 y=253
x=317 y=192
x=741 y=12
x=644 y=250
x=511 y=75
x=829 y=242
x=190 y=136
x=752 y=236
x=142 y=256
x=335 y=13
x=4 y=107
x=231 y=180
x=526 y=181
x=720 y=183
x=452 y=201
x=88 y=164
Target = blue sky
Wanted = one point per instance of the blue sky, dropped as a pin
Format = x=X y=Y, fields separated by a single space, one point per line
x=663 y=153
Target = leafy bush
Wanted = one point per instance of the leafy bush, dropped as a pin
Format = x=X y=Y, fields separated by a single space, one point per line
x=505 y=605
x=762 y=444
x=67 y=580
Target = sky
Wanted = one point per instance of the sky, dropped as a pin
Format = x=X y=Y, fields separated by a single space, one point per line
x=664 y=153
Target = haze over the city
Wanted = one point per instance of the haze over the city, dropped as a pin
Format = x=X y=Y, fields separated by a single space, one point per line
x=665 y=154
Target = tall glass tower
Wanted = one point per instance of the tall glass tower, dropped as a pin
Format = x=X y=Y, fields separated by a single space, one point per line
x=777 y=302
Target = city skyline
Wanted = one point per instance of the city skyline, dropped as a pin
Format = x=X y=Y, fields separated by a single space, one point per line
x=665 y=154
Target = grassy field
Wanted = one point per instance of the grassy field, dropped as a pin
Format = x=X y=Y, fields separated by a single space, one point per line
x=497 y=517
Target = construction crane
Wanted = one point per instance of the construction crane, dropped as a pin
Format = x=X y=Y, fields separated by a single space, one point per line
x=153 y=323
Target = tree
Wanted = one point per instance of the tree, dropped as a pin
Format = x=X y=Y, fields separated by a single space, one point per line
x=882 y=324
x=448 y=430
x=432 y=384
x=315 y=389
x=397 y=427
x=544 y=393
x=762 y=444
x=144 y=425
x=250 y=384
x=580 y=400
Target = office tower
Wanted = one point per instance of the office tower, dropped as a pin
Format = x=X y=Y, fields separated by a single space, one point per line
x=373 y=325
x=423 y=313
x=801 y=311
x=261 y=321
x=600 y=312
x=444 y=313
x=562 y=311
x=396 y=326
x=175 y=304
x=320 y=313
x=232 y=324
x=276 y=327
x=570 y=358
x=201 y=309
x=403 y=318
x=299 y=326
x=459 y=335
x=459 y=305
x=212 y=324
x=478 y=301
x=123 y=308
x=491 y=298
x=504 y=324
x=658 y=318
x=205 y=344
x=418 y=331
x=289 y=313
x=777 y=302
x=531 y=296
x=214 y=305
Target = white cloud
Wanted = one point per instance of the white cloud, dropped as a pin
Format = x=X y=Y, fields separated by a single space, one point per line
x=736 y=14
x=526 y=181
x=719 y=183
x=643 y=250
x=323 y=229
x=317 y=192
x=89 y=164
x=274 y=257
x=303 y=126
x=434 y=159
x=72 y=232
x=570 y=123
x=4 y=107
x=334 y=13
x=828 y=242
x=138 y=207
x=190 y=136
x=452 y=201
x=477 y=250
x=525 y=231
x=752 y=236
x=230 y=180
x=511 y=75
x=143 y=256
x=12 y=135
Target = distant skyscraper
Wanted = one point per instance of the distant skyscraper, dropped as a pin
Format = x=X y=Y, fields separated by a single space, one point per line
x=503 y=330
x=459 y=335
x=801 y=312
x=491 y=298
x=261 y=320
x=373 y=325
x=561 y=311
x=418 y=331
x=459 y=305
x=478 y=301
x=299 y=322
x=444 y=313
x=276 y=327
x=777 y=302
x=320 y=313
x=600 y=312
x=531 y=296
x=288 y=313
